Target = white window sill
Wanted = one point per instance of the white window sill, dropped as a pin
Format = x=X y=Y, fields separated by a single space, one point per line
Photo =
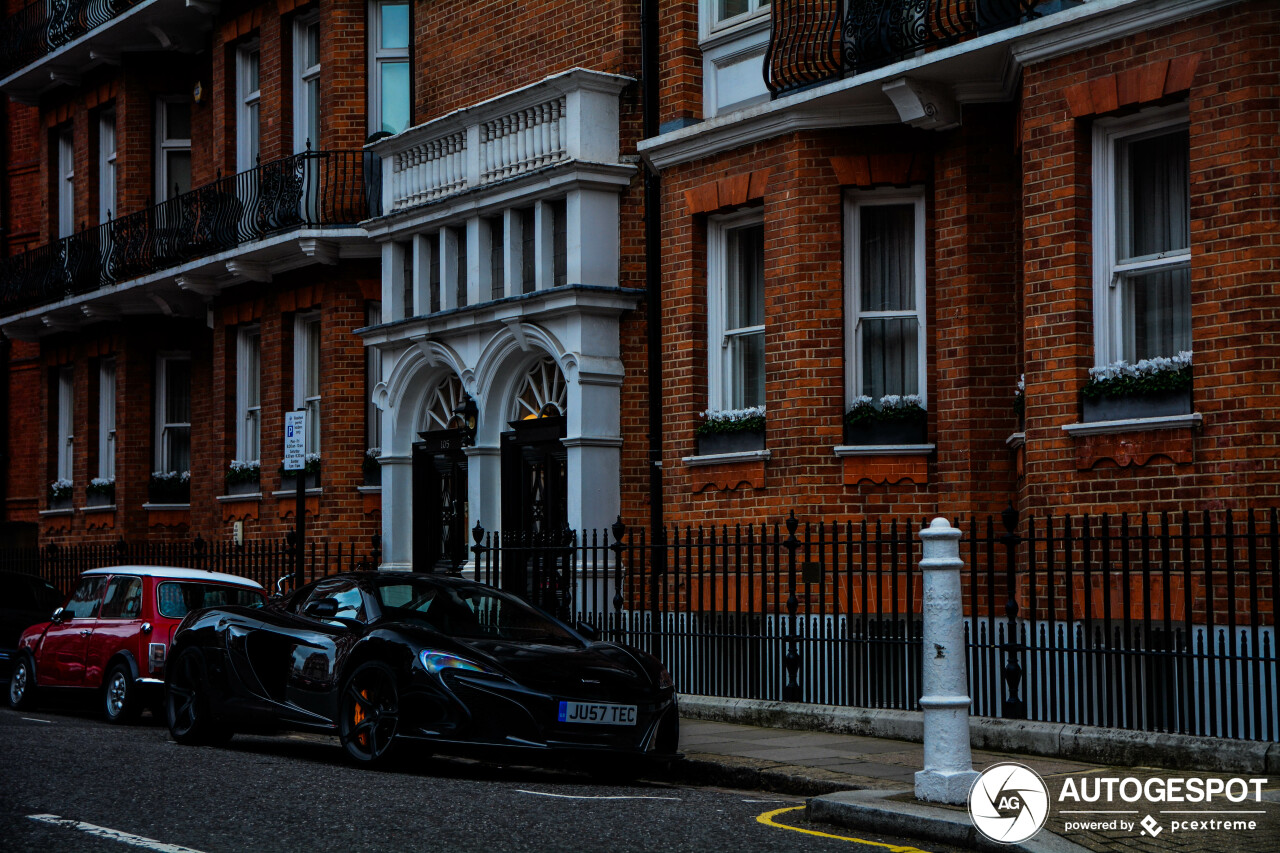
x=247 y=496
x=288 y=493
x=98 y=508
x=369 y=490
x=164 y=507
x=722 y=458
x=1016 y=440
x=1134 y=425
x=885 y=449
x=54 y=513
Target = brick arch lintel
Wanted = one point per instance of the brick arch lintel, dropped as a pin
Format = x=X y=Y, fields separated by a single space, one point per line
x=1142 y=85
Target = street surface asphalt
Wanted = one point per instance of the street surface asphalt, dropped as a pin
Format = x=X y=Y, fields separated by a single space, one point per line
x=297 y=793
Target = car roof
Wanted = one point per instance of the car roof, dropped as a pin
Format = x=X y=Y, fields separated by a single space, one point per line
x=175 y=573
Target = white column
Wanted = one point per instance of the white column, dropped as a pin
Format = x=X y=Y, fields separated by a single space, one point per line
x=948 y=772
x=591 y=238
x=477 y=261
x=397 y=512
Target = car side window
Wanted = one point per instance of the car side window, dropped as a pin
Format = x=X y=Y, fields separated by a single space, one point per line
x=347 y=594
x=123 y=599
x=84 y=601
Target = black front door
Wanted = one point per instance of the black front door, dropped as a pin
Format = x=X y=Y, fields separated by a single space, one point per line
x=439 y=502
x=535 y=513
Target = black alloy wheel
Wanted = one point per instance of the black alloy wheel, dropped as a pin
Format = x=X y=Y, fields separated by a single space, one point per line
x=369 y=712
x=187 y=705
x=22 y=685
x=119 y=695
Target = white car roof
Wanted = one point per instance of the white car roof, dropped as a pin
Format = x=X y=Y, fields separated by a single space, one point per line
x=174 y=573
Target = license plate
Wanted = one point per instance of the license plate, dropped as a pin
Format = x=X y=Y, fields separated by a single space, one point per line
x=603 y=715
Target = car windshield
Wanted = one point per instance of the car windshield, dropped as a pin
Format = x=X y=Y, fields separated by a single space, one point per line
x=178 y=598
x=470 y=613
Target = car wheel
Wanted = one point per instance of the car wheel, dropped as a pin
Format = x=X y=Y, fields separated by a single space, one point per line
x=369 y=712
x=22 y=685
x=120 y=695
x=186 y=702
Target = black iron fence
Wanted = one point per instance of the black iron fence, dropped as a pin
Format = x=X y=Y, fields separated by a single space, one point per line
x=42 y=27
x=312 y=189
x=264 y=562
x=813 y=41
x=1163 y=623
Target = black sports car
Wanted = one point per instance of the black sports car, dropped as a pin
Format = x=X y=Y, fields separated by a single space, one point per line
x=376 y=656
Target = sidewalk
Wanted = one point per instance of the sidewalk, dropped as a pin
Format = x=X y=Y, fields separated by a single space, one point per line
x=865 y=783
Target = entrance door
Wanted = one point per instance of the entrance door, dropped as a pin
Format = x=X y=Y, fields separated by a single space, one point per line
x=535 y=513
x=440 y=510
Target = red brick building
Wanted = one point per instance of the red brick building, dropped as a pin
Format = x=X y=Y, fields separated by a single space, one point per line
x=1007 y=189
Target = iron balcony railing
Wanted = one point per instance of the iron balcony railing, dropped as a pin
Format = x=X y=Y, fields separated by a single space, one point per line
x=42 y=27
x=814 y=41
x=308 y=190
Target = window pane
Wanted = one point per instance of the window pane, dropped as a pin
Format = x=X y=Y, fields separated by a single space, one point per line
x=251 y=65
x=730 y=8
x=253 y=370
x=747 y=369
x=177 y=391
x=1159 y=209
x=177 y=120
x=312 y=382
x=528 y=259
x=746 y=290
x=177 y=450
x=559 y=256
x=496 y=247
x=178 y=172
x=313 y=114
x=395 y=25
x=311 y=46
x=890 y=356
x=84 y=602
x=395 y=96
x=123 y=599
x=886 y=243
x=1157 y=314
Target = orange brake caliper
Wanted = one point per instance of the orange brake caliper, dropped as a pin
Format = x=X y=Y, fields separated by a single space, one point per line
x=357 y=717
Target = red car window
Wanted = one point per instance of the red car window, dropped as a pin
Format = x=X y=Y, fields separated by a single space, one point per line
x=84 y=601
x=177 y=598
x=123 y=599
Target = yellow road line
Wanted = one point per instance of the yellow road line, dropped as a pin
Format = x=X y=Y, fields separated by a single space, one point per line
x=768 y=820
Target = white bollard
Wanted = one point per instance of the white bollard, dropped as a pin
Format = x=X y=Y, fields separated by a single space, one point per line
x=948 y=772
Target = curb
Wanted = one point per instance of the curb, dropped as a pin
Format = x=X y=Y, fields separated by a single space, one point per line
x=1091 y=744
x=753 y=774
x=873 y=810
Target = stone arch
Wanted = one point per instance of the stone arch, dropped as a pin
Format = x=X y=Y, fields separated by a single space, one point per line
x=503 y=366
x=416 y=373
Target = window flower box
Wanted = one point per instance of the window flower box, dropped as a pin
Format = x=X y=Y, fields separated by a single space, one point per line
x=101 y=491
x=1152 y=388
x=60 y=494
x=371 y=467
x=244 y=477
x=170 y=487
x=894 y=419
x=730 y=431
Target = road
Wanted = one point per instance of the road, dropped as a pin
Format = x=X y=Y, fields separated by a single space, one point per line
x=296 y=793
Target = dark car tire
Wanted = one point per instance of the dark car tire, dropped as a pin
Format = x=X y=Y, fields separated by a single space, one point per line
x=186 y=702
x=369 y=713
x=120 y=695
x=22 y=685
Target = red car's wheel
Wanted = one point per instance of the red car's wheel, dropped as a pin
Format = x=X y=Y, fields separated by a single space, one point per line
x=120 y=695
x=22 y=685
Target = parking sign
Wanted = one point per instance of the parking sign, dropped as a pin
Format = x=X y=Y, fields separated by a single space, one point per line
x=295 y=441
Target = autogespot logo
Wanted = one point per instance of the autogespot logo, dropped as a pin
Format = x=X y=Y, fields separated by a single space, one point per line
x=1009 y=803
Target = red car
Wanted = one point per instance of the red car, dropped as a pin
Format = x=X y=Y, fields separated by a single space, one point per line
x=113 y=634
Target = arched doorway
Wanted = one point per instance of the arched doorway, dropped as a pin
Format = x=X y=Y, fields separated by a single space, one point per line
x=441 y=509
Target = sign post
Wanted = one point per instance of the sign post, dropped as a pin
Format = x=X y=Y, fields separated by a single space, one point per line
x=295 y=459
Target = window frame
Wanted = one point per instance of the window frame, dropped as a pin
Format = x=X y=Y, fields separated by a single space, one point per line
x=163 y=427
x=720 y=376
x=710 y=22
x=107 y=418
x=379 y=55
x=1110 y=216
x=302 y=341
x=164 y=145
x=303 y=77
x=65 y=144
x=248 y=359
x=107 y=152
x=248 y=106
x=65 y=400
x=855 y=201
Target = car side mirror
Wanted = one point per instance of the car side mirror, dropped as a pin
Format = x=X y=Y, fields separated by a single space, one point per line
x=325 y=608
x=589 y=631
x=60 y=615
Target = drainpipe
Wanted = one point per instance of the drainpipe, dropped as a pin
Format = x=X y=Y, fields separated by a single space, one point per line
x=652 y=259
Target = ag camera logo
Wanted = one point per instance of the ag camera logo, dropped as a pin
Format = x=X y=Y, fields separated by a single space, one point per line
x=1009 y=803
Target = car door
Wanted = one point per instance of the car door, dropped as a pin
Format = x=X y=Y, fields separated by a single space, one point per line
x=60 y=660
x=119 y=623
x=297 y=657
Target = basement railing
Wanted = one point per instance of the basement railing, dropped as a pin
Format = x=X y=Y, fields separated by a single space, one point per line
x=816 y=41
x=315 y=189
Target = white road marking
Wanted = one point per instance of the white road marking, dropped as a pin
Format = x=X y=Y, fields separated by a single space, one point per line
x=592 y=796
x=773 y=801
x=34 y=720
x=111 y=834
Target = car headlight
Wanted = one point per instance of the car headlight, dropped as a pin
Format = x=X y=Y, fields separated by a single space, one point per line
x=436 y=662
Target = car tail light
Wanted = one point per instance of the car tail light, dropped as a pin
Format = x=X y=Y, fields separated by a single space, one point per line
x=155 y=656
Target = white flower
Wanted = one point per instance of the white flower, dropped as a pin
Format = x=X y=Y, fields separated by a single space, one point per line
x=1022 y=386
x=732 y=415
x=241 y=465
x=60 y=484
x=373 y=452
x=1144 y=367
x=102 y=482
x=313 y=457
